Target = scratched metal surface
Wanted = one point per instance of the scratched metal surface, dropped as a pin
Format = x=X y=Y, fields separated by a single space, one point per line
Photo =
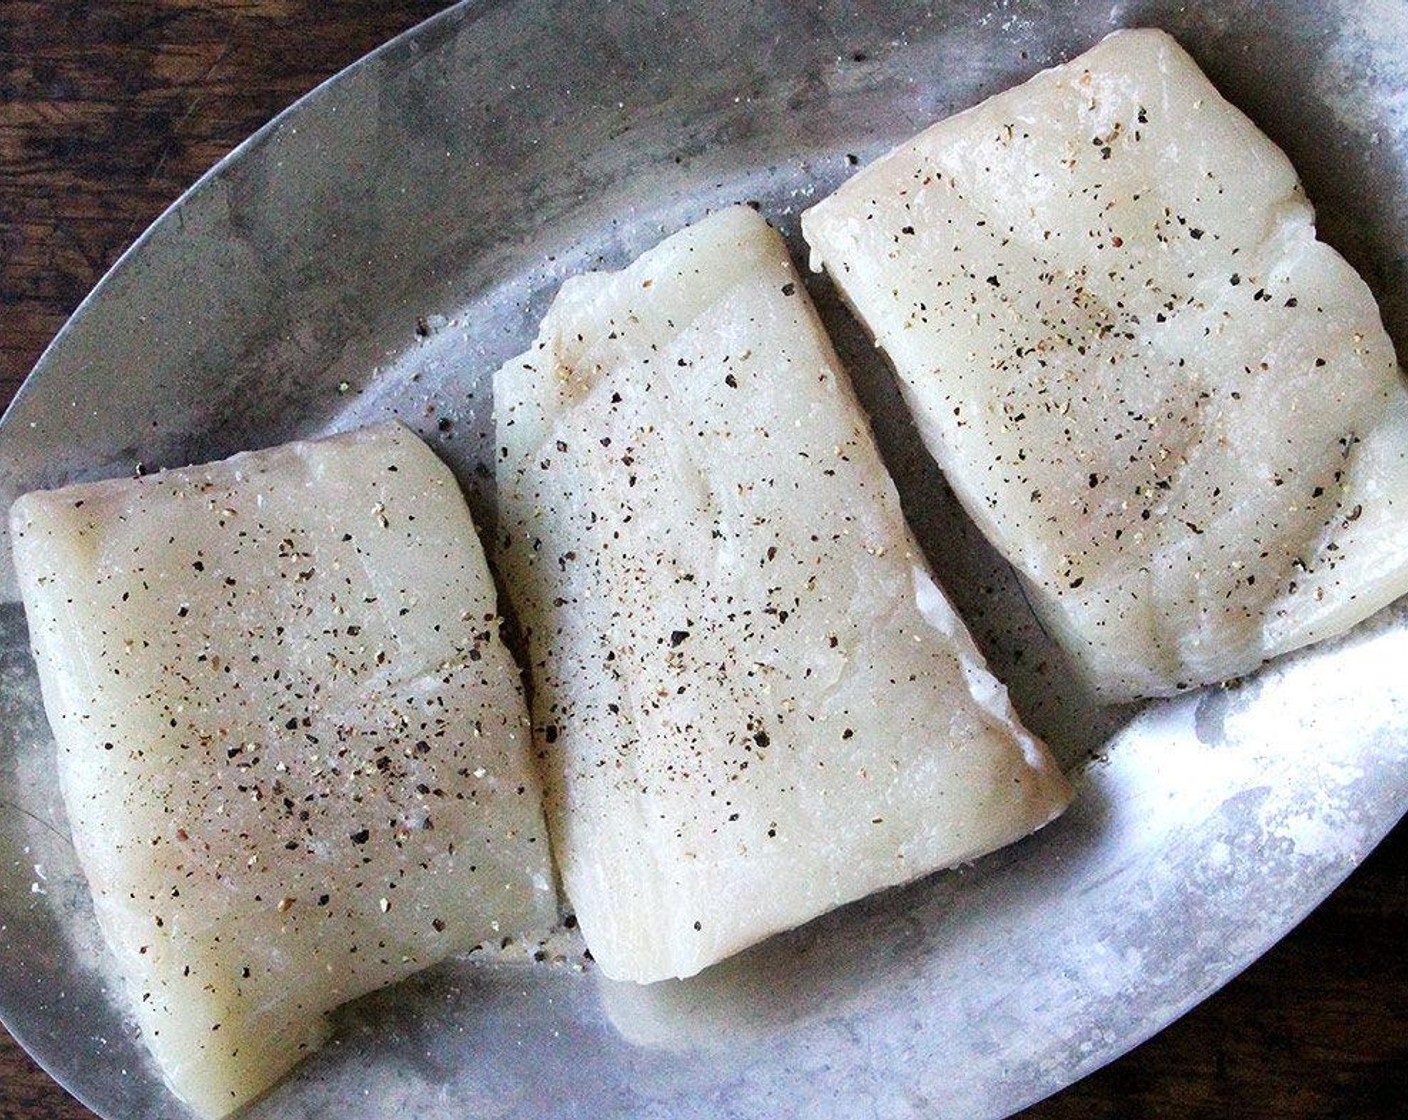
x=381 y=247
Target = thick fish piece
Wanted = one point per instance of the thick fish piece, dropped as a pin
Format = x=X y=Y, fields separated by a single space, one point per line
x=293 y=749
x=752 y=702
x=1173 y=410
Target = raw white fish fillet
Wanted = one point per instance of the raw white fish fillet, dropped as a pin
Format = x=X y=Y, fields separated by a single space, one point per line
x=752 y=702
x=293 y=749
x=1173 y=410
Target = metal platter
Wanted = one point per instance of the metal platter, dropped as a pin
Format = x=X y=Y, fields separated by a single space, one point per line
x=382 y=246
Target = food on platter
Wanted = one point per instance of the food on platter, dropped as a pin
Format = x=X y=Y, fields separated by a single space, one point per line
x=293 y=749
x=751 y=700
x=1171 y=408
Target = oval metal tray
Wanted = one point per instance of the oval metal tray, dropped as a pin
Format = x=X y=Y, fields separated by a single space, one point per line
x=382 y=246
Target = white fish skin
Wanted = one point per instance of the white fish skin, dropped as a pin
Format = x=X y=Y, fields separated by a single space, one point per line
x=293 y=749
x=1173 y=410
x=752 y=702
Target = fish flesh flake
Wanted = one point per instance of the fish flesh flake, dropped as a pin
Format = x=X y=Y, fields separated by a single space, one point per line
x=751 y=701
x=1173 y=410
x=292 y=747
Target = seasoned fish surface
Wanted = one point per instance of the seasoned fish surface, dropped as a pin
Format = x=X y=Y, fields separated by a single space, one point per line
x=752 y=701
x=1172 y=409
x=293 y=748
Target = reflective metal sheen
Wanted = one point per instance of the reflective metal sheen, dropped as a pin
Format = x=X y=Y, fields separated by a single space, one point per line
x=383 y=245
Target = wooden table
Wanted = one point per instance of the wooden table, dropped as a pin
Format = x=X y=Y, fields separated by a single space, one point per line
x=109 y=110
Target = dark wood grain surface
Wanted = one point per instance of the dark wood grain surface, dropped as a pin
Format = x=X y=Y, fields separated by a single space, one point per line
x=109 y=110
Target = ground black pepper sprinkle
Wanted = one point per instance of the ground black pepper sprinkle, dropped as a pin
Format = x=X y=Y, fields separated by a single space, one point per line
x=254 y=664
x=1096 y=411
x=737 y=556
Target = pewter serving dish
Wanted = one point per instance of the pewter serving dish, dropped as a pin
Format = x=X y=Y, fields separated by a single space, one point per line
x=382 y=246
